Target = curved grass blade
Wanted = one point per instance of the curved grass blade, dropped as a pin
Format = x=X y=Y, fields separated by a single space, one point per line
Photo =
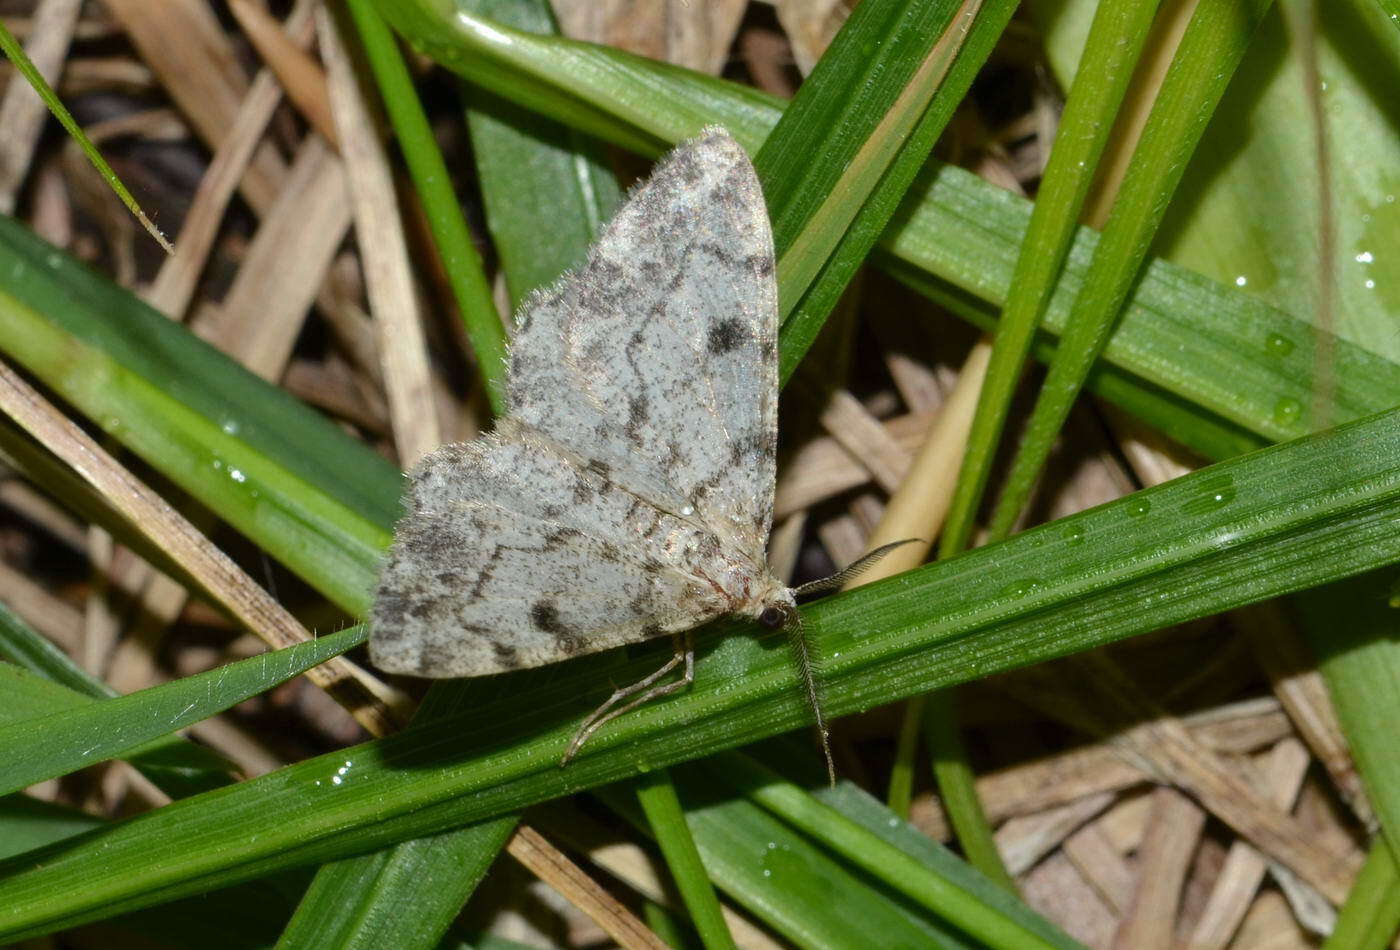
x=1214 y=43
x=404 y=897
x=176 y=766
x=1283 y=519
x=92 y=732
x=1371 y=914
x=22 y=63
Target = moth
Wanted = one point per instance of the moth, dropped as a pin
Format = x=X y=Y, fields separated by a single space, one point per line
x=627 y=493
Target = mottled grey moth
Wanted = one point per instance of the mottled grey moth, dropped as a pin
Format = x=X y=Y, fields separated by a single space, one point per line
x=628 y=491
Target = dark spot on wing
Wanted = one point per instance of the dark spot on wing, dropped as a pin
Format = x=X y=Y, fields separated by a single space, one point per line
x=582 y=490
x=506 y=655
x=725 y=335
x=545 y=616
x=637 y=414
x=601 y=469
x=559 y=535
x=760 y=264
x=652 y=629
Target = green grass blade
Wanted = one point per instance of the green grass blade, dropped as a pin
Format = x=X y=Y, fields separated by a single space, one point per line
x=460 y=262
x=403 y=897
x=656 y=793
x=786 y=880
x=956 y=783
x=23 y=645
x=1111 y=53
x=851 y=115
x=1214 y=42
x=176 y=766
x=546 y=189
x=135 y=375
x=22 y=63
x=1371 y=915
x=862 y=809
x=1283 y=519
x=984 y=922
x=27 y=823
x=943 y=76
x=1205 y=433
x=92 y=732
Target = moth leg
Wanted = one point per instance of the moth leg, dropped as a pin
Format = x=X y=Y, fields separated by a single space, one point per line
x=685 y=653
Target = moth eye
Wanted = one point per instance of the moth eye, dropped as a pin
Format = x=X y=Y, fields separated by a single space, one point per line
x=772 y=616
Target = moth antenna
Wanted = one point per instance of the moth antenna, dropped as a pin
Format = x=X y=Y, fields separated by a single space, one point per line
x=806 y=667
x=855 y=569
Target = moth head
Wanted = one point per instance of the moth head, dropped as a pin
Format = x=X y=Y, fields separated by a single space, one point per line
x=776 y=608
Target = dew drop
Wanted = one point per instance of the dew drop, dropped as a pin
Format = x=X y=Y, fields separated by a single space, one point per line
x=1074 y=535
x=1139 y=507
x=1278 y=344
x=1287 y=411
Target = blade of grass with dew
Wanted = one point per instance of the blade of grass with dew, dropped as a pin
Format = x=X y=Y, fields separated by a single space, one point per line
x=1206 y=342
x=1391 y=9
x=1248 y=209
x=1205 y=60
x=451 y=238
x=786 y=879
x=656 y=794
x=985 y=923
x=61 y=742
x=25 y=67
x=1283 y=519
x=143 y=399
